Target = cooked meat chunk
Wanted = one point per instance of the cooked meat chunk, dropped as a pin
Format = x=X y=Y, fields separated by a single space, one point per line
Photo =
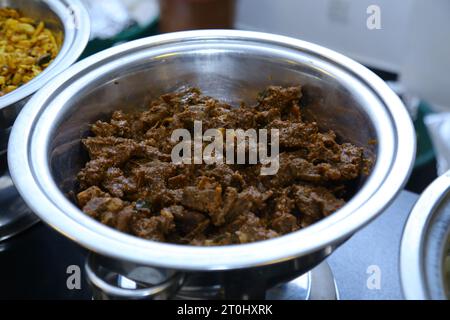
x=282 y=219
x=130 y=182
x=315 y=202
x=250 y=228
x=189 y=224
x=208 y=200
x=286 y=100
x=92 y=192
x=94 y=172
x=154 y=228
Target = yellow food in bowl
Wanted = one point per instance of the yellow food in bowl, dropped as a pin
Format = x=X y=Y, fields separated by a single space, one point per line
x=27 y=47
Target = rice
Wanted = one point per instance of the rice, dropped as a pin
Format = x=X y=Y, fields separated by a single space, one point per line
x=27 y=47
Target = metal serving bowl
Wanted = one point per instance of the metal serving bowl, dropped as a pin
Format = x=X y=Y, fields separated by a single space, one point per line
x=45 y=152
x=425 y=244
x=70 y=18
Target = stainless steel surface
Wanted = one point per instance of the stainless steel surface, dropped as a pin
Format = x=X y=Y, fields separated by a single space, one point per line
x=112 y=279
x=231 y=65
x=14 y=215
x=130 y=281
x=323 y=285
x=373 y=254
x=72 y=20
x=424 y=243
x=317 y=284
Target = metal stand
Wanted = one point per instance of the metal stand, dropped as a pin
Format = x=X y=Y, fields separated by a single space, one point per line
x=130 y=281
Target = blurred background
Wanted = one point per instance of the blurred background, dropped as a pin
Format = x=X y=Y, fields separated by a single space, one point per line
x=407 y=43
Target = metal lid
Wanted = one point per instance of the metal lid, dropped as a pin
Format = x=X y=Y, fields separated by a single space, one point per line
x=425 y=244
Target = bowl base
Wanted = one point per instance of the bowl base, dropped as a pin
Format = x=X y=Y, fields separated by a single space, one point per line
x=317 y=284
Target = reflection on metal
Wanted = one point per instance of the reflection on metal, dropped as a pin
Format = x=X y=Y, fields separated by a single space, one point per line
x=113 y=279
x=15 y=216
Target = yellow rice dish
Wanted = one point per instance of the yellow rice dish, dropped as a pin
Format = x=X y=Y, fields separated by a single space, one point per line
x=27 y=47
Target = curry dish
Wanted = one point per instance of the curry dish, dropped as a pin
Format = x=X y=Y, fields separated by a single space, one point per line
x=131 y=184
x=27 y=47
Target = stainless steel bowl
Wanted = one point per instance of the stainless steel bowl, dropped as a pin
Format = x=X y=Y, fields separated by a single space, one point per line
x=45 y=151
x=425 y=244
x=70 y=18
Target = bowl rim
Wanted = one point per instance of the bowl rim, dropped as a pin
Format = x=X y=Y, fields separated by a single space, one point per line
x=76 y=24
x=422 y=275
x=110 y=242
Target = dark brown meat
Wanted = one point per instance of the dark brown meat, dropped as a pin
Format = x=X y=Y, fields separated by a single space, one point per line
x=131 y=184
x=154 y=228
x=282 y=219
x=314 y=203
